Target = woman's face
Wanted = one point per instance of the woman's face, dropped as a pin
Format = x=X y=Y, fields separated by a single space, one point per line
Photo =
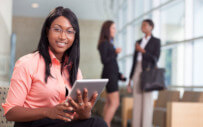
x=61 y=35
x=112 y=30
x=146 y=28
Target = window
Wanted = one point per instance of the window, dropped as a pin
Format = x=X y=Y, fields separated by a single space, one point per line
x=172 y=22
x=198 y=18
x=198 y=63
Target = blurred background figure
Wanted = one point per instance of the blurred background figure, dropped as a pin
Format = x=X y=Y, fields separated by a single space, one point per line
x=147 y=50
x=108 y=53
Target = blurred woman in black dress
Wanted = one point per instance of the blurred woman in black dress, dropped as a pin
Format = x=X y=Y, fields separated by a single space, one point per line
x=108 y=54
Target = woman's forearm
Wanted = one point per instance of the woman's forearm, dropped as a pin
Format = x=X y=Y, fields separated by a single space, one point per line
x=21 y=114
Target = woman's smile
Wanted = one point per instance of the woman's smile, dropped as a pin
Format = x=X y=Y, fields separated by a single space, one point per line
x=61 y=44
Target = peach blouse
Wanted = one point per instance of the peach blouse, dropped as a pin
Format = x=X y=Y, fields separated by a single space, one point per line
x=27 y=86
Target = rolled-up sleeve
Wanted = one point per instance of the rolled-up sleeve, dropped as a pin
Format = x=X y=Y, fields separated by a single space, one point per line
x=19 y=87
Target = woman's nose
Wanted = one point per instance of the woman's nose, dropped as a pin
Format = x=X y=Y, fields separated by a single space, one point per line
x=63 y=35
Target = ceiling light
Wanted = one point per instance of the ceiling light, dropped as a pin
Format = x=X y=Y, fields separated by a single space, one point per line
x=35 y=5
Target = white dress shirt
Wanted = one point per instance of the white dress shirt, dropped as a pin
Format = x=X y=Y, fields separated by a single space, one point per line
x=142 y=45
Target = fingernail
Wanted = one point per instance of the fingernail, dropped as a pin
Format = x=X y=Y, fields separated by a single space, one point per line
x=66 y=104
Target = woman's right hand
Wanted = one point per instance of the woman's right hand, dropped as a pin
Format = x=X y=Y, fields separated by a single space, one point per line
x=118 y=50
x=139 y=49
x=83 y=106
x=60 y=111
x=129 y=88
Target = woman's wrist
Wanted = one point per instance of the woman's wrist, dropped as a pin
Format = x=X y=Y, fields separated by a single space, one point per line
x=143 y=51
x=44 y=112
x=129 y=82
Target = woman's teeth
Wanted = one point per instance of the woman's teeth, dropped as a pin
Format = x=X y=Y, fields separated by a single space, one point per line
x=61 y=43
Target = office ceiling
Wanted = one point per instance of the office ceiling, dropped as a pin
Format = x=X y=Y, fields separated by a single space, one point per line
x=84 y=9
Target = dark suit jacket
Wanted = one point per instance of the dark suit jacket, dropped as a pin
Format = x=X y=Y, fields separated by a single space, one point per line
x=148 y=59
x=108 y=59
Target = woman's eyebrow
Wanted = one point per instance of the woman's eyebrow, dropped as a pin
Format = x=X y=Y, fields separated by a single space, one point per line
x=61 y=26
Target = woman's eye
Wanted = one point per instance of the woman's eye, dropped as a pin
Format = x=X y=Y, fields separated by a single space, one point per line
x=70 y=32
x=57 y=30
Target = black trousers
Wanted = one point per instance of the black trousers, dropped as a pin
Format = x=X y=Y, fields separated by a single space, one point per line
x=92 y=122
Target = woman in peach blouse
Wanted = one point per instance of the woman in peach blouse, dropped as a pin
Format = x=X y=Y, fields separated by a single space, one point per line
x=41 y=80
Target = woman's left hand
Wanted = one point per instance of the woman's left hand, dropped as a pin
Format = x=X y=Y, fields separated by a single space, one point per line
x=83 y=106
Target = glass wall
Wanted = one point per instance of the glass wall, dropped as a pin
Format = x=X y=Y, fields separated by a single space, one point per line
x=198 y=18
x=180 y=54
x=137 y=31
x=172 y=22
x=138 y=8
x=198 y=63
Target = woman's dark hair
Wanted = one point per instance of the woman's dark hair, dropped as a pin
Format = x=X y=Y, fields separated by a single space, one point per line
x=150 y=22
x=105 y=32
x=73 y=52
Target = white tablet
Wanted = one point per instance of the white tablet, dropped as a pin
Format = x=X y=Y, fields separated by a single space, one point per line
x=92 y=86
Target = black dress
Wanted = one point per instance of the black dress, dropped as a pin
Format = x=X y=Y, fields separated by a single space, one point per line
x=110 y=66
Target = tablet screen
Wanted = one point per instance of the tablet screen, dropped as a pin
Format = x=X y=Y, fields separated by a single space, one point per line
x=92 y=85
